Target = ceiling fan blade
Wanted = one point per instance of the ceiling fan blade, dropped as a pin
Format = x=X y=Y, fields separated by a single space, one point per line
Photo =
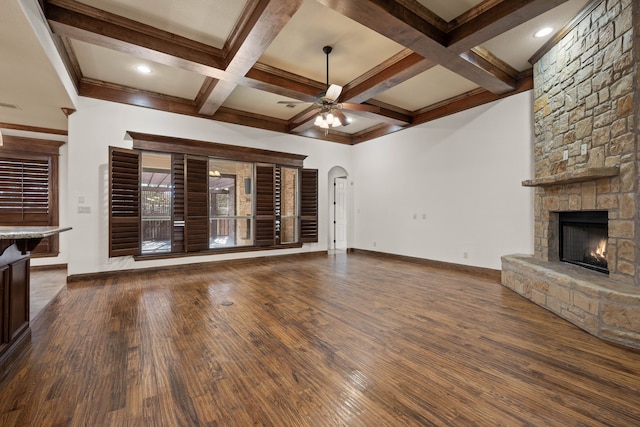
x=359 y=107
x=294 y=102
x=340 y=115
x=333 y=92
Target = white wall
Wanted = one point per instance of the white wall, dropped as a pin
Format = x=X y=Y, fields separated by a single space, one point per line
x=463 y=174
x=98 y=124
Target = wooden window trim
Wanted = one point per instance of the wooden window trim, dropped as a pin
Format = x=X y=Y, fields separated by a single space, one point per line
x=168 y=144
x=17 y=147
x=215 y=251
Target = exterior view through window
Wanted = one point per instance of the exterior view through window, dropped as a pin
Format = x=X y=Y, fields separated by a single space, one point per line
x=156 y=197
x=230 y=203
x=289 y=205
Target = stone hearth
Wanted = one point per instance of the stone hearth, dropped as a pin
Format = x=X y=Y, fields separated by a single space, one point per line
x=588 y=299
x=586 y=117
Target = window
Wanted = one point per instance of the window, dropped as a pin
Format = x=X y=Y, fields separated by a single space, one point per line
x=288 y=209
x=156 y=202
x=29 y=187
x=230 y=203
x=173 y=196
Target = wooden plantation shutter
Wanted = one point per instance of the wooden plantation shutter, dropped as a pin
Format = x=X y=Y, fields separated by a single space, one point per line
x=177 y=166
x=309 y=206
x=277 y=202
x=196 y=188
x=265 y=234
x=124 y=202
x=29 y=186
x=24 y=191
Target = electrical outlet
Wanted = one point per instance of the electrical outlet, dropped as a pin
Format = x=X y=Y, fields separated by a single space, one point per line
x=465 y=255
x=374 y=244
x=84 y=209
x=565 y=155
x=583 y=149
x=415 y=216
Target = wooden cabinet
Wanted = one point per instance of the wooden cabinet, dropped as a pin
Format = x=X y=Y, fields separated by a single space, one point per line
x=14 y=301
x=15 y=245
x=18 y=298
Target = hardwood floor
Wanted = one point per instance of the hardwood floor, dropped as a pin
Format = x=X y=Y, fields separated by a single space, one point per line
x=348 y=340
x=45 y=285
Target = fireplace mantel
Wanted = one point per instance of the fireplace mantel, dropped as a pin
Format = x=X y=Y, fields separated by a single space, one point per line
x=581 y=175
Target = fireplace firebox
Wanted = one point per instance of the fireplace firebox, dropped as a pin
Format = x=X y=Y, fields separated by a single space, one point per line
x=583 y=239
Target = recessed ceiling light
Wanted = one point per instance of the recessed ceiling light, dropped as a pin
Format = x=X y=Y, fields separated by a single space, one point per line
x=542 y=32
x=143 y=69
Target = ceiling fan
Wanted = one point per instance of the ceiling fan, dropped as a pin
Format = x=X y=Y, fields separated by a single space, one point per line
x=326 y=106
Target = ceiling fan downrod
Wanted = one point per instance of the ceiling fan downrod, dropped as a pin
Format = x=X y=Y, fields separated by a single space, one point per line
x=327 y=50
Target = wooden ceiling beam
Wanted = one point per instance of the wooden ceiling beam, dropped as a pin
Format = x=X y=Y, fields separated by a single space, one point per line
x=374 y=132
x=85 y=23
x=331 y=136
x=481 y=23
x=476 y=26
x=76 y=21
x=402 y=66
x=385 y=115
x=229 y=115
x=466 y=101
x=126 y=95
x=267 y=19
x=280 y=82
x=404 y=26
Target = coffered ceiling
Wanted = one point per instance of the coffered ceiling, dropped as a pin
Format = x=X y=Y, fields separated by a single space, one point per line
x=233 y=60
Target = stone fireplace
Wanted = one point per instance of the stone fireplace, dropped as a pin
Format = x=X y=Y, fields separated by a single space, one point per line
x=586 y=118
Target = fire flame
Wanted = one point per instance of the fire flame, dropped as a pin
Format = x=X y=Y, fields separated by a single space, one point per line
x=602 y=248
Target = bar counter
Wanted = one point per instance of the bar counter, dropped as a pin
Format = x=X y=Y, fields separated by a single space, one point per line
x=15 y=245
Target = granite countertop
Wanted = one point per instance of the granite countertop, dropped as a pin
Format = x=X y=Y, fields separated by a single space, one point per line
x=20 y=232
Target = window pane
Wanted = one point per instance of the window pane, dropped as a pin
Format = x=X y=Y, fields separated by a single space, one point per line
x=230 y=203
x=288 y=230
x=156 y=203
x=289 y=205
x=228 y=232
x=289 y=192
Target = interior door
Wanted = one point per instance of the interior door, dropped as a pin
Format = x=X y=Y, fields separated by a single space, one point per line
x=340 y=213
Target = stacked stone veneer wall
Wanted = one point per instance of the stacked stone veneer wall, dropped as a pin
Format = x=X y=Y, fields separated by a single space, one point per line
x=585 y=95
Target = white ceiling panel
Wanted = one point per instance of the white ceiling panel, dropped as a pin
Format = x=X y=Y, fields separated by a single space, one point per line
x=430 y=87
x=516 y=46
x=115 y=67
x=260 y=102
x=298 y=47
x=449 y=9
x=357 y=123
x=206 y=21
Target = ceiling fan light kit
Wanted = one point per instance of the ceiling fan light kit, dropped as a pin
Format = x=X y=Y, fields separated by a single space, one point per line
x=326 y=120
